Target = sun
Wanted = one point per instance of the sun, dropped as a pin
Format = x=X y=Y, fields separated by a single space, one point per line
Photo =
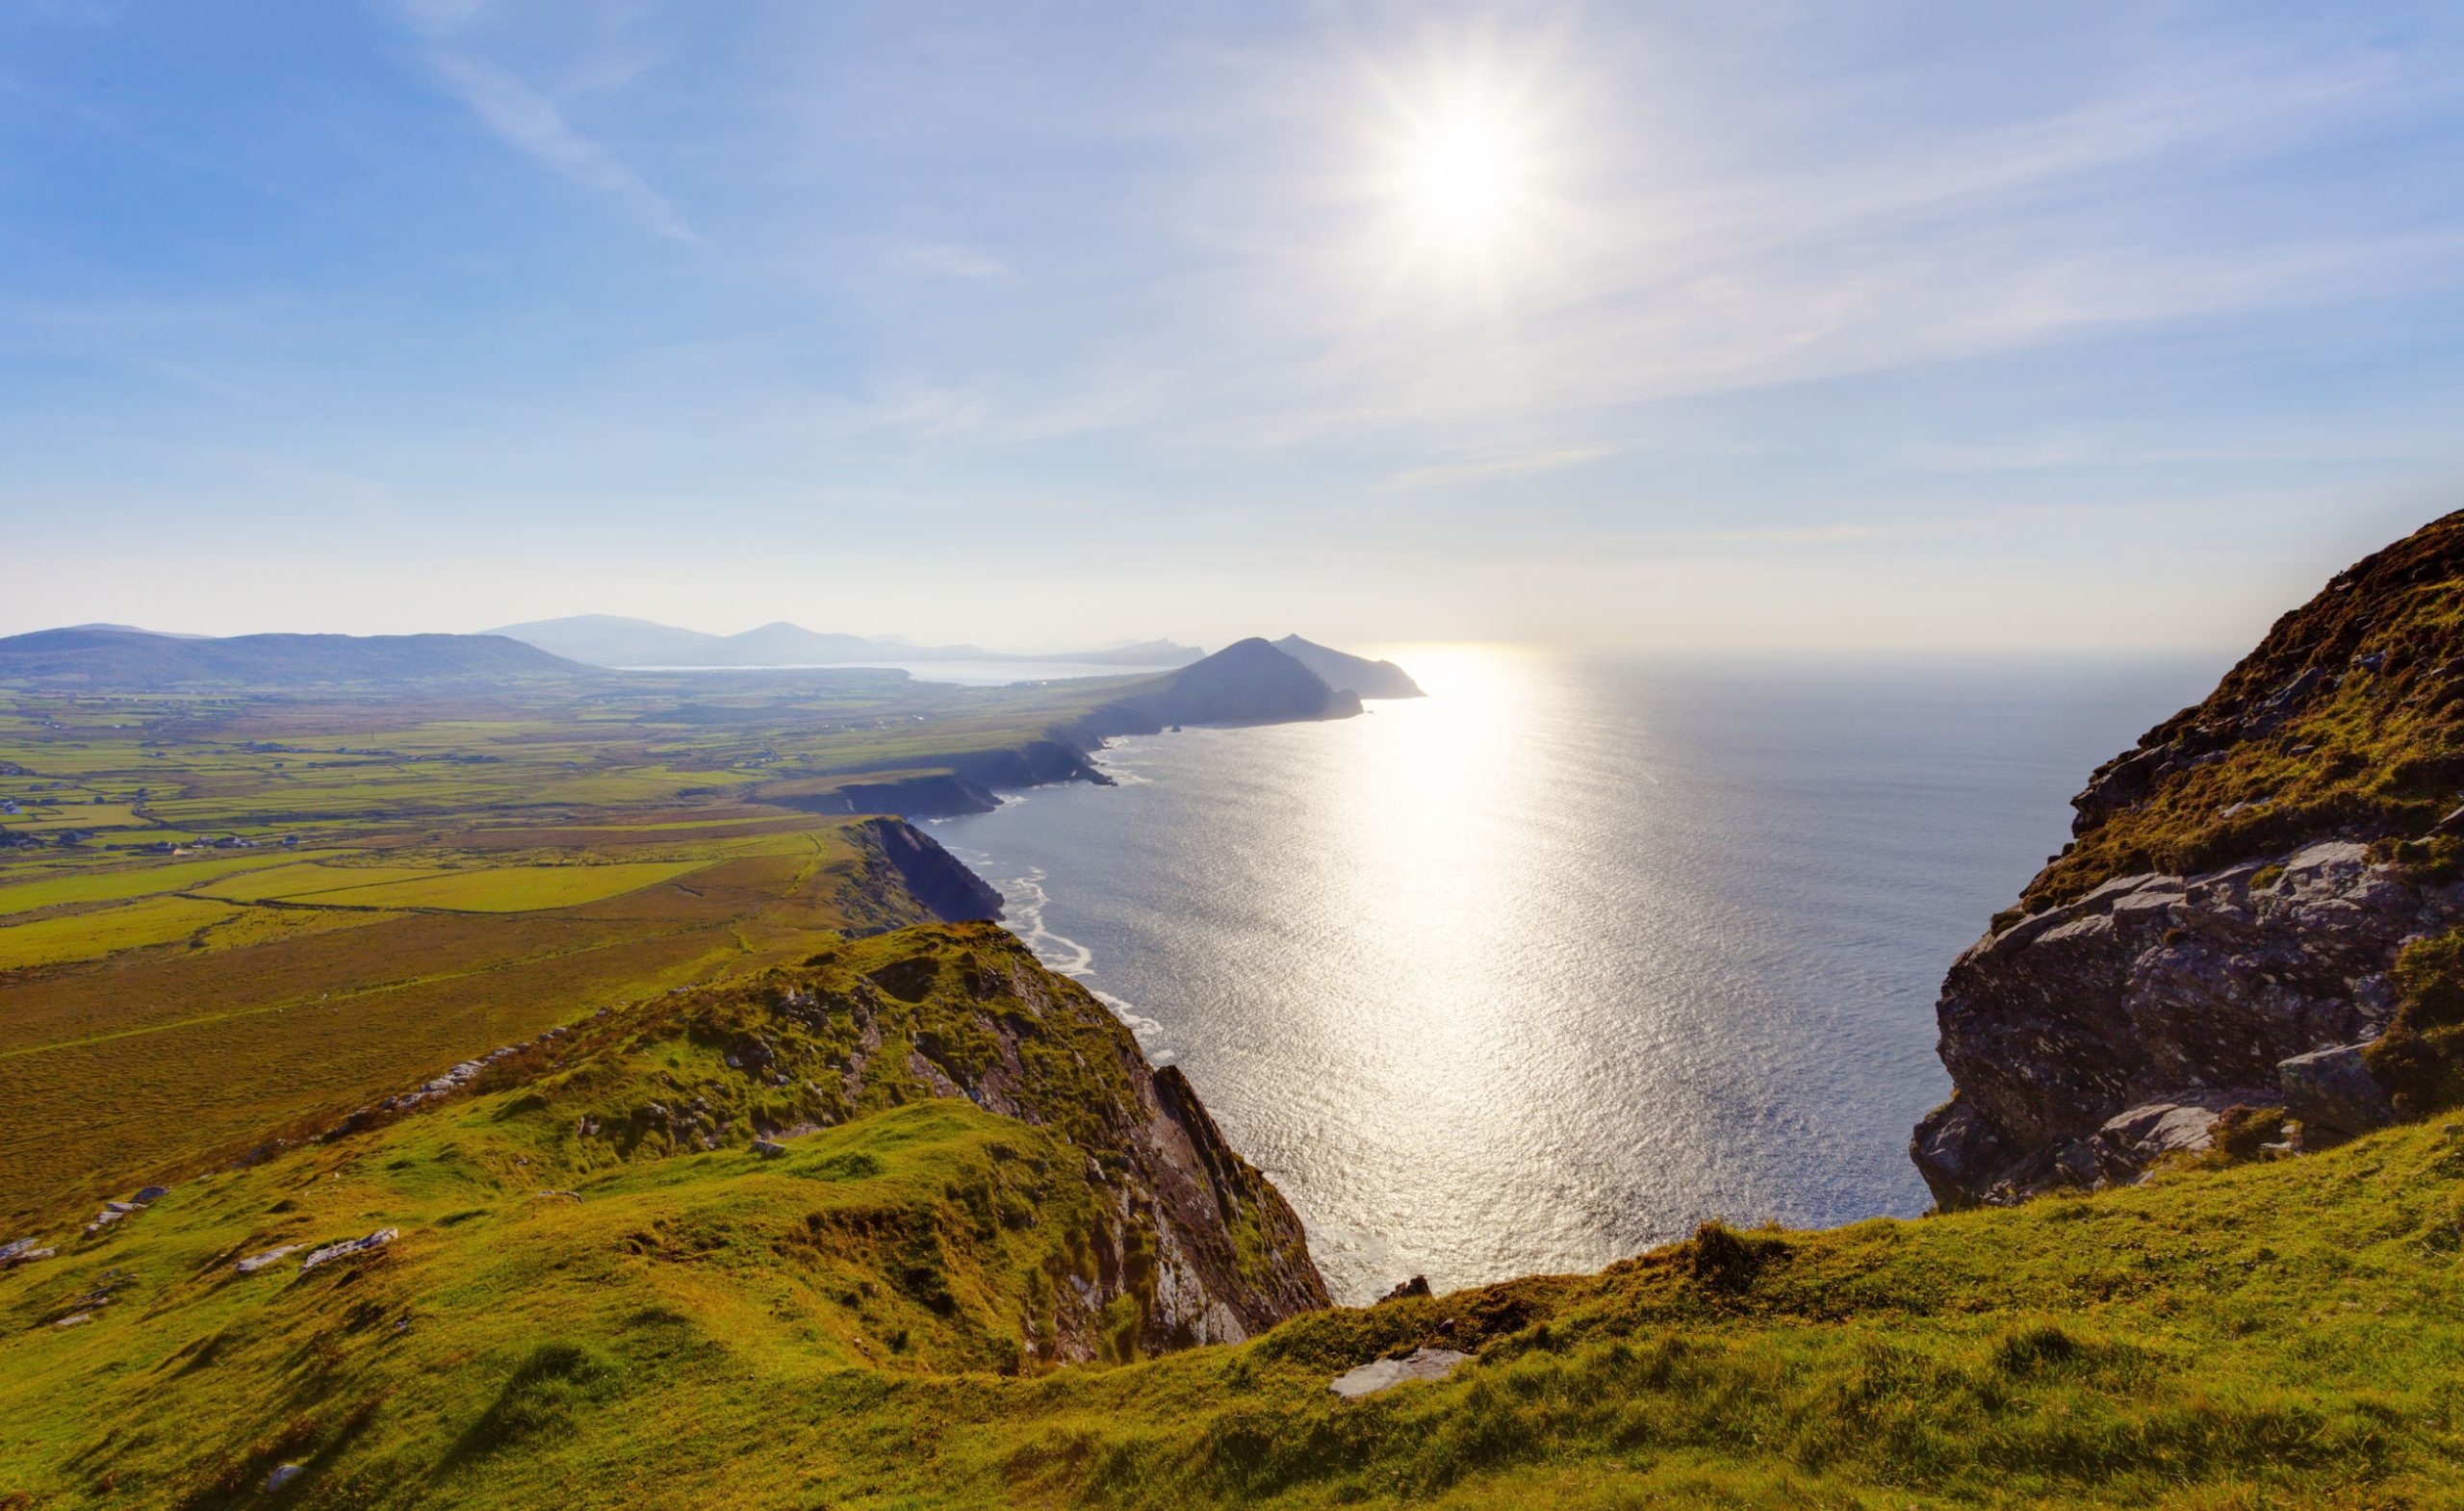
x=1466 y=174
x=1464 y=166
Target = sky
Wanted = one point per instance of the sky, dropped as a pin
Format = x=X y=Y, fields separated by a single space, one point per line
x=1652 y=326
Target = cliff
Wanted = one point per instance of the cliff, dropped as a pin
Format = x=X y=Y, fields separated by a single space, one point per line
x=2258 y=912
x=1247 y=683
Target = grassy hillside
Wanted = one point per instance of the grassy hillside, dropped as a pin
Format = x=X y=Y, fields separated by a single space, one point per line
x=587 y=1306
x=2346 y=721
x=324 y=900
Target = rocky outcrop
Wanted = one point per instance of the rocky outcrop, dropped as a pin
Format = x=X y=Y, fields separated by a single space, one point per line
x=2125 y=1006
x=931 y=794
x=1189 y=1241
x=933 y=876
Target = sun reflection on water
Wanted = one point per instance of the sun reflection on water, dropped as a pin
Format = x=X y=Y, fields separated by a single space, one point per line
x=1560 y=960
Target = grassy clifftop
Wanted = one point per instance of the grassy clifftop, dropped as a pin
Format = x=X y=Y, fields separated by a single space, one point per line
x=2347 y=720
x=625 y=1317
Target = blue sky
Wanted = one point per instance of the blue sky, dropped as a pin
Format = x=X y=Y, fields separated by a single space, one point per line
x=1736 y=323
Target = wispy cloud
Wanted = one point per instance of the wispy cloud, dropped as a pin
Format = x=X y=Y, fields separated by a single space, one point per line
x=530 y=122
x=958 y=262
x=1496 y=464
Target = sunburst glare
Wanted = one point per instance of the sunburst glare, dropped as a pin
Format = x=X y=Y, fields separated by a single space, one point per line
x=1466 y=169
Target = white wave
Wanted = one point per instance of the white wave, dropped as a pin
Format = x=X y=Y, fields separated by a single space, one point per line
x=1148 y=1033
x=1025 y=901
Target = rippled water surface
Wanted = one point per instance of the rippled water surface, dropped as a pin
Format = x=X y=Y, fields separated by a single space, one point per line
x=1551 y=965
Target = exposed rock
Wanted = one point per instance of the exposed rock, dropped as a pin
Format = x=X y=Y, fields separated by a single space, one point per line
x=2242 y=886
x=2155 y=990
x=2334 y=1089
x=768 y=1149
x=256 y=1262
x=151 y=1193
x=934 y=875
x=349 y=1248
x=2133 y=1140
x=1379 y=1374
x=283 y=1475
x=74 y=1319
x=1417 y=1286
x=20 y=1251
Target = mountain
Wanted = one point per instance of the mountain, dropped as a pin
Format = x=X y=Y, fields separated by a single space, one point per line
x=1249 y=682
x=1144 y=653
x=1352 y=674
x=611 y=641
x=782 y=644
x=135 y=660
x=132 y=629
x=2257 y=920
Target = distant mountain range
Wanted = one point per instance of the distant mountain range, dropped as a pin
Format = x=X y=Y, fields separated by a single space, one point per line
x=1253 y=680
x=612 y=641
x=100 y=657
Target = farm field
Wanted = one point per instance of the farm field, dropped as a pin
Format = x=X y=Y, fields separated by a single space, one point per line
x=283 y=909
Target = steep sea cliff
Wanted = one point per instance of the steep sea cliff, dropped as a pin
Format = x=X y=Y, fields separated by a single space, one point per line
x=2245 y=932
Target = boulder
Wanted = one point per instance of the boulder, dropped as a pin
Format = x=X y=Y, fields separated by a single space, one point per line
x=283 y=1475
x=2157 y=989
x=256 y=1262
x=768 y=1149
x=348 y=1248
x=1418 y=1284
x=2334 y=1089
x=21 y=1251
x=1379 y=1374
x=1957 y=1152
x=151 y=1193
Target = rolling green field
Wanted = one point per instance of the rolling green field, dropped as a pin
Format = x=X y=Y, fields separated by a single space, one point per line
x=323 y=901
x=566 y=1320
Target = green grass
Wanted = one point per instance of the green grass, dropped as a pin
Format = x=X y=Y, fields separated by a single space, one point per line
x=142 y=924
x=498 y=889
x=434 y=907
x=141 y=879
x=2368 y=743
x=843 y=1327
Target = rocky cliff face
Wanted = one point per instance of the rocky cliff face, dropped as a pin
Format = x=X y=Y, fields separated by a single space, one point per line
x=2257 y=910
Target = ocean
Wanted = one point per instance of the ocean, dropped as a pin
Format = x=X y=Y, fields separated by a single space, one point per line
x=1575 y=953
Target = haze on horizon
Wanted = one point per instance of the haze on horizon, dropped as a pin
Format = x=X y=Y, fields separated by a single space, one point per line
x=1669 y=324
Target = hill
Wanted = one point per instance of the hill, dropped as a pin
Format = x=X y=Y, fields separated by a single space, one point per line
x=1351 y=673
x=1249 y=682
x=2257 y=919
x=131 y=660
x=595 y=1287
x=906 y=1221
x=611 y=641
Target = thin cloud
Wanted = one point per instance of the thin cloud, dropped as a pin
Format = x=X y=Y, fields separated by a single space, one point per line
x=958 y=262
x=531 y=124
x=1496 y=464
